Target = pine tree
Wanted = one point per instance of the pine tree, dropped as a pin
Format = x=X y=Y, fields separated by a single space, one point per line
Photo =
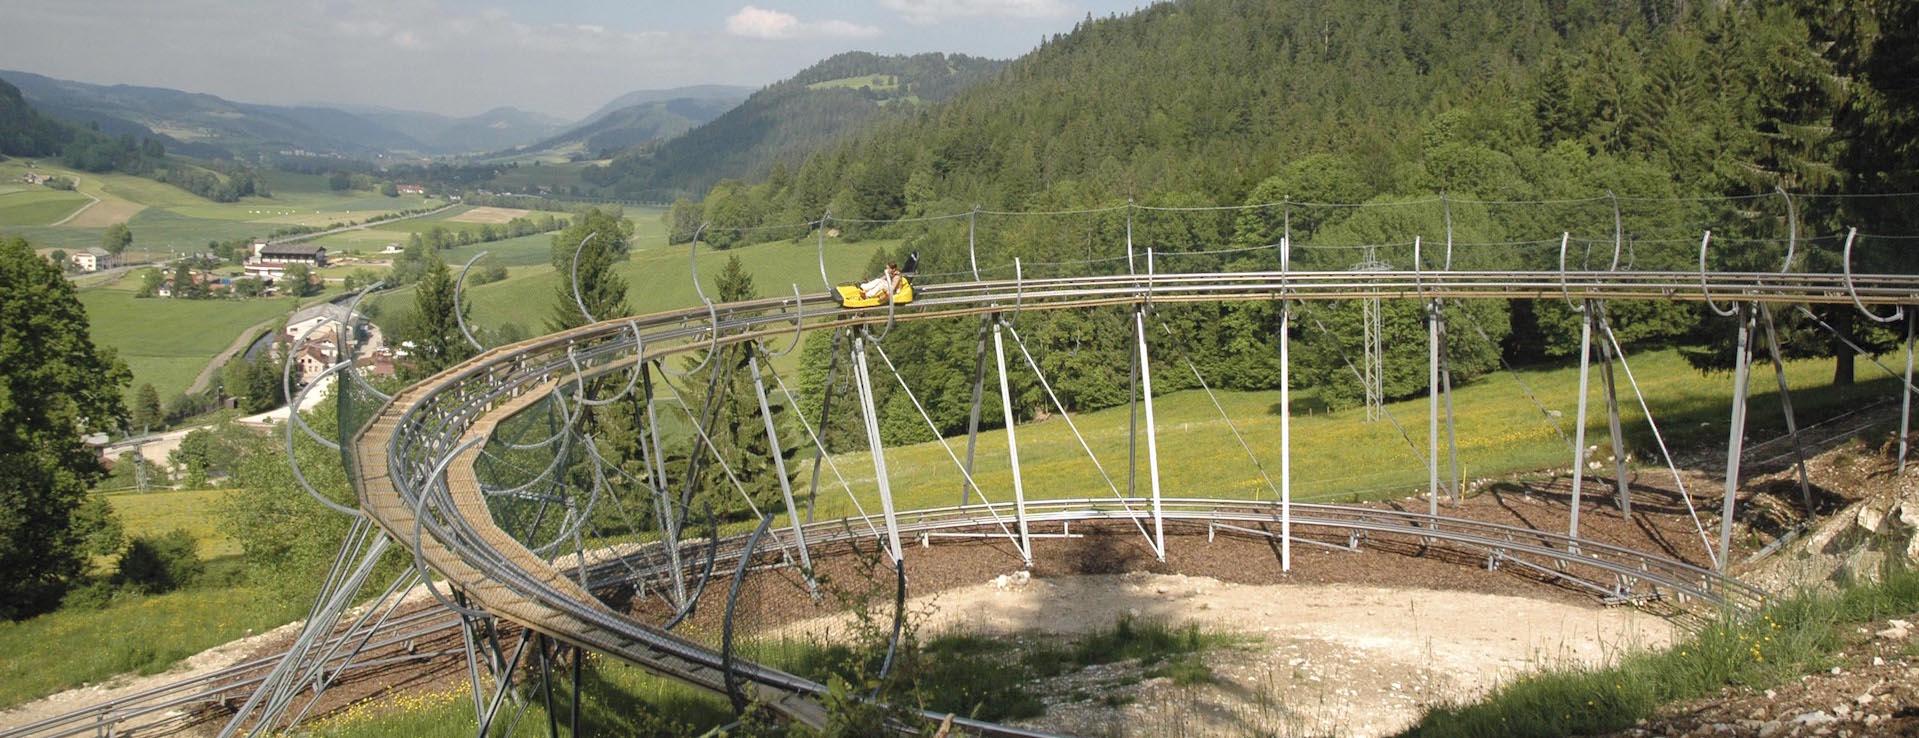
x=601 y=289
x=146 y=412
x=431 y=326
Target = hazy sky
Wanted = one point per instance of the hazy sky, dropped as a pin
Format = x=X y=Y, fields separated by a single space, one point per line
x=565 y=58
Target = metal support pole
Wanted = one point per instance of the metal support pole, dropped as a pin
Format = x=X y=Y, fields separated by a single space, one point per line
x=1736 y=435
x=1285 y=439
x=1132 y=423
x=972 y=418
x=1012 y=451
x=1785 y=405
x=1905 y=397
x=826 y=403
x=1613 y=427
x=863 y=382
x=662 y=501
x=1446 y=388
x=1432 y=408
x=779 y=468
x=1579 y=423
x=546 y=686
x=1152 y=442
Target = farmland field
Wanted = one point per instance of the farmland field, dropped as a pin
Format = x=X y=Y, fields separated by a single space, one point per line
x=39 y=206
x=168 y=342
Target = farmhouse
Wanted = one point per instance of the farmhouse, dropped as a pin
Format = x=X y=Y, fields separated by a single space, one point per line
x=270 y=261
x=91 y=259
x=412 y=189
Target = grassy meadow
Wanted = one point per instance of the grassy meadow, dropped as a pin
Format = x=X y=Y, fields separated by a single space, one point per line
x=191 y=510
x=168 y=342
x=1339 y=456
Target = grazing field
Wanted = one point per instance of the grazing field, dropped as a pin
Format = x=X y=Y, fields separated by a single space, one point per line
x=168 y=342
x=40 y=206
x=166 y=218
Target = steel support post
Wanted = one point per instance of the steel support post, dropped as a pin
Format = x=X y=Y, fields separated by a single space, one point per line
x=1446 y=388
x=1613 y=427
x=1905 y=396
x=863 y=382
x=1432 y=408
x=546 y=686
x=1152 y=442
x=1736 y=435
x=662 y=501
x=1285 y=439
x=1785 y=405
x=1132 y=423
x=972 y=418
x=779 y=468
x=1579 y=421
x=1012 y=450
x=826 y=404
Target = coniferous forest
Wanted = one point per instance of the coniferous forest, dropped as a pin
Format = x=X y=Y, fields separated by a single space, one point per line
x=1509 y=121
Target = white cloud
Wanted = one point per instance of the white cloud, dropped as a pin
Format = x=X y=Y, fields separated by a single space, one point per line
x=760 y=23
x=927 y=12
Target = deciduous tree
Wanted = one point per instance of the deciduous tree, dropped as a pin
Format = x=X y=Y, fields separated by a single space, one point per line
x=54 y=383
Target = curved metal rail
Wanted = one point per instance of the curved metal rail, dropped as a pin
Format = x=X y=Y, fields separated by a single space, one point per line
x=445 y=518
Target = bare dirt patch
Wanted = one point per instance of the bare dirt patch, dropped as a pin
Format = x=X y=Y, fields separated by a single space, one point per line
x=486 y=214
x=1316 y=659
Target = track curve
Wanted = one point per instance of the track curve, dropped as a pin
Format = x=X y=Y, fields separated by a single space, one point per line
x=414 y=461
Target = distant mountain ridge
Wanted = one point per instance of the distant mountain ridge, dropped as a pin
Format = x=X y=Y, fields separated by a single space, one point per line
x=787 y=120
x=207 y=125
x=643 y=116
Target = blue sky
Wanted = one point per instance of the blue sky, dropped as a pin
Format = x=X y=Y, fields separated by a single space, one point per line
x=561 y=58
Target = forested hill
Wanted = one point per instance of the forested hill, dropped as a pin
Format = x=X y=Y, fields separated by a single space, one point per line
x=790 y=119
x=1208 y=102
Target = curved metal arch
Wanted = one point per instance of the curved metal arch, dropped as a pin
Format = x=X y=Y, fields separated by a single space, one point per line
x=577 y=300
x=1564 y=239
x=825 y=280
x=712 y=330
x=1618 y=230
x=1706 y=289
x=1419 y=284
x=972 y=249
x=1852 y=289
x=459 y=285
x=632 y=376
x=713 y=316
x=1448 y=204
x=1792 y=229
x=799 y=324
x=293 y=458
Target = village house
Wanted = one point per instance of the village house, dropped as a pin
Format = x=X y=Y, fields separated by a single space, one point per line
x=412 y=189
x=91 y=260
